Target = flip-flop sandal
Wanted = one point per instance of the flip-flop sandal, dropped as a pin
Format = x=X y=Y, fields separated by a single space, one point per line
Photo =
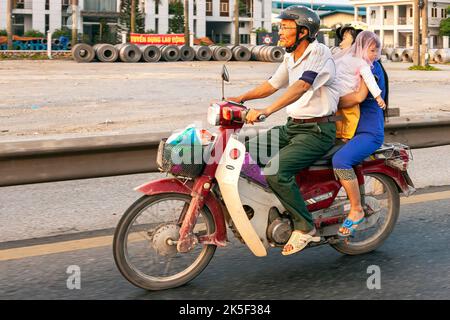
x=298 y=241
x=348 y=224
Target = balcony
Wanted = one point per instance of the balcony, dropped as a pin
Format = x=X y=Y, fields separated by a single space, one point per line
x=402 y=21
x=24 y=4
x=100 y=5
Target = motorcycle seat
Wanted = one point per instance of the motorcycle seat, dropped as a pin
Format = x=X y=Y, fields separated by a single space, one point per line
x=325 y=160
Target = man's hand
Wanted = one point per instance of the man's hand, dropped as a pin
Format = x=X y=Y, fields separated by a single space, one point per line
x=234 y=99
x=253 y=114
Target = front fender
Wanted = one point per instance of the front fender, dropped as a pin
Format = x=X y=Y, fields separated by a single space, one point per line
x=171 y=185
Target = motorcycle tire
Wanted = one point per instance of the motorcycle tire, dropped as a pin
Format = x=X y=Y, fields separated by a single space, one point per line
x=137 y=278
x=394 y=211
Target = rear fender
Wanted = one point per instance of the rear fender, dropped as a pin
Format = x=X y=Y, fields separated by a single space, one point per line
x=171 y=185
x=396 y=175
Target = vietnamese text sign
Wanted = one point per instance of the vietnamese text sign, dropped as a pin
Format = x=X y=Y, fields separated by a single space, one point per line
x=157 y=38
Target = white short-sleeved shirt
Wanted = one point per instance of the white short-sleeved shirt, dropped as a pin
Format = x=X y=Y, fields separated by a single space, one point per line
x=323 y=96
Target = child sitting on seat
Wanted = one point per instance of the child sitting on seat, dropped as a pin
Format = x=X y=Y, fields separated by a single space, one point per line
x=351 y=64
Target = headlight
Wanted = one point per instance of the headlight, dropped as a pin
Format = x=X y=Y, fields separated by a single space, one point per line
x=214 y=114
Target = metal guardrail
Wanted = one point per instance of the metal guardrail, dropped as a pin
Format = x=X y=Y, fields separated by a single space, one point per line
x=37 y=161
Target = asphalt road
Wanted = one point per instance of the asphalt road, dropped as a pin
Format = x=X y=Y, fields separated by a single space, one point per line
x=414 y=264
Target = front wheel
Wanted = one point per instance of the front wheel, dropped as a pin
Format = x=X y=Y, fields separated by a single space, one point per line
x=382 y=192
x=144 y=244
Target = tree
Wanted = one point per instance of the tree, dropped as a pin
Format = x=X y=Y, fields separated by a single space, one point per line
x=125 y=17
x=176 y=24
x=444 y=26
x=242 y=9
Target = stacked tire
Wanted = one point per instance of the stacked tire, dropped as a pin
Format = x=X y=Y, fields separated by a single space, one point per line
x=132 y=53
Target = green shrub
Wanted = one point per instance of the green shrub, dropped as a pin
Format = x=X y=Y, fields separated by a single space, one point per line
x=3 y=33
x=34 y=33
x=424 y=68
x=261 y=30
x=63 y=32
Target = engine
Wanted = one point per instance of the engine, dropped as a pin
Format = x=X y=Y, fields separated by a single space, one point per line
x=279 y=229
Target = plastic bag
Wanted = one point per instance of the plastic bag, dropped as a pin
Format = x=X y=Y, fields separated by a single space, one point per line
x=188 y=136
x=191 y=136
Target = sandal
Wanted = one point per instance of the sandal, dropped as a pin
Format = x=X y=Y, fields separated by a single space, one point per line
x=298 y=241
x=348 y=224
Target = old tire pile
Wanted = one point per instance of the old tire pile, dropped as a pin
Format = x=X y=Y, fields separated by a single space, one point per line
x=266 y=53
x=442 y=56
x=221 y=53
x=202 y=53
x=150 y=53
x=82 y=52
x=397 y=54
x=169 y=53
x=187 y=53
x=128 y=52
x=407 y=55
x=106 y=52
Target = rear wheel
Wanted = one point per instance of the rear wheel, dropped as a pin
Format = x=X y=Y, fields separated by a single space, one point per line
x=144 y=244
x=382 y=192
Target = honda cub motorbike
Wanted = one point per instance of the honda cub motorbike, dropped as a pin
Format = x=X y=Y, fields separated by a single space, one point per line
x=169 y=235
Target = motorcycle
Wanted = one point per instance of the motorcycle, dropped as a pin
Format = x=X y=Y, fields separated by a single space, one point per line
x=169 y=235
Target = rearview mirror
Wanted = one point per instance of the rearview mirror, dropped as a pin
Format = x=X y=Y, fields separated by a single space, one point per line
x=225 y=74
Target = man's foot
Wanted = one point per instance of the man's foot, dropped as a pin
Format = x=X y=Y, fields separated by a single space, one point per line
x=298 y=241
x=354 y=218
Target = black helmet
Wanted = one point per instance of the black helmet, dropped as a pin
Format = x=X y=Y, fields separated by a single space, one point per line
x=355 y=27
x=304 y=17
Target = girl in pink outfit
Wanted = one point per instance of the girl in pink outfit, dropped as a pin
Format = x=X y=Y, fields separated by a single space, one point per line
x=352 y=64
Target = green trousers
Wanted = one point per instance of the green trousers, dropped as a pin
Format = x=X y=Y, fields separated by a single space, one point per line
x=283 y=151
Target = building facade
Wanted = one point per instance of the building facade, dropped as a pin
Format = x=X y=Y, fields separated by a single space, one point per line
x=393 y=21
x=330 y=13
x=212 y=18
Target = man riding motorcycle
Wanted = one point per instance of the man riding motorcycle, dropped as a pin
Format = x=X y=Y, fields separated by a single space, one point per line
x=311 y=99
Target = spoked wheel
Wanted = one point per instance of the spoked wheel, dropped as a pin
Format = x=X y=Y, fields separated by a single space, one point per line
x=383 y=199
x=145 y=240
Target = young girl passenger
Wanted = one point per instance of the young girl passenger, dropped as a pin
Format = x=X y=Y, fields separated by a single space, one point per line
x=351 y=64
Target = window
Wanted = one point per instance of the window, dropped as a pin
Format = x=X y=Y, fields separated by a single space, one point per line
x=156 y=25
x=245 y=38
x=100 y=5
x=156 y=7
x=195 y=8
x=410 y=12
x=64 y=21
x=47 y=4
x=443 y=13
x=385 y=14
x=226 y=38
x=209 y=8
x=241 y=24
x=47 y=22
x=20 y=4
x=434 y=12
x=373 y=14
x=224 y=8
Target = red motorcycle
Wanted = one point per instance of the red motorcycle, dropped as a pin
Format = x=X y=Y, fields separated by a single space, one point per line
x=168 y=236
